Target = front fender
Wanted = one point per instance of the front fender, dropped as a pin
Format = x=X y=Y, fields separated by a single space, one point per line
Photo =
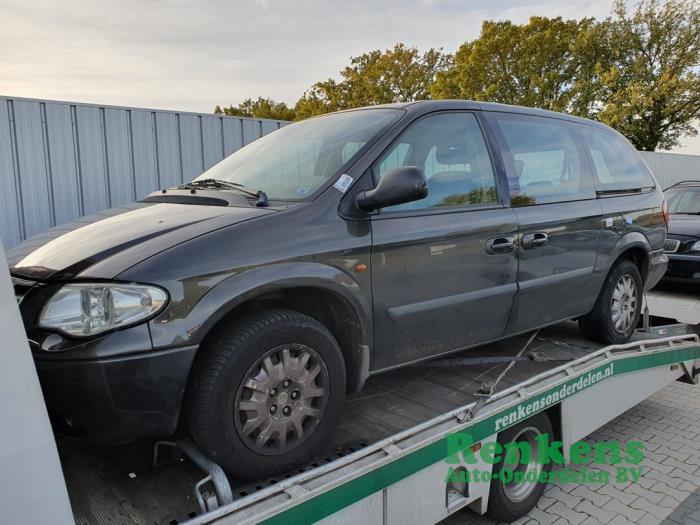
x=190 y=326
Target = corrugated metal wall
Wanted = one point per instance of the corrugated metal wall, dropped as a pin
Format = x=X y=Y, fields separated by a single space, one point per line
x=61 y=160
x=670 y=168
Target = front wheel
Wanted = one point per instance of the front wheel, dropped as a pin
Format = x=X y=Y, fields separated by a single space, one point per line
x=615 y=316
x=266 y=393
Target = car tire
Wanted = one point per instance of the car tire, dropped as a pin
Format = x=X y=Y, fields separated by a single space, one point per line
x=615 y=316
x=275 y=372
x=509 y=501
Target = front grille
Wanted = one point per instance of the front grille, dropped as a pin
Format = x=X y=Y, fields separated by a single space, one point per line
x=671 y=245
x=21 y=287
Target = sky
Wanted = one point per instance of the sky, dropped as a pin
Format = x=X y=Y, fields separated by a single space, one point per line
x=191 y=55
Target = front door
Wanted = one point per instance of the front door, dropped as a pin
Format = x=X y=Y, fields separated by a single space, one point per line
x=443 y=268
x=559 y=217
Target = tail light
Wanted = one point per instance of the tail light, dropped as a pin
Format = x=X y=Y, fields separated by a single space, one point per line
x=664 y=210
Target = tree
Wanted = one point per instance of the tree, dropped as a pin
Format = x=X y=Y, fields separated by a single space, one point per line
x=260 y=108
x=636 y=71
x=400 y=74
x=533 y=64
x=649 y=88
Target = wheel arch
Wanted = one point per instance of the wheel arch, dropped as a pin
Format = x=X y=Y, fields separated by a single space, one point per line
x=325 y=293
x=633 y=247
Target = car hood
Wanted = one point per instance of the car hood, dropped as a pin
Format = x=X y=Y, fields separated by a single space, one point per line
x=684 y=225
x=104 y=245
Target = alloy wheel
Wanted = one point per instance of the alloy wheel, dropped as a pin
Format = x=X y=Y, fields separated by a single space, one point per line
x=624 y=304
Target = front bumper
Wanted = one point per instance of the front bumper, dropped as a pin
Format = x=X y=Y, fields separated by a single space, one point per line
x=683 y=268
x=118 y=399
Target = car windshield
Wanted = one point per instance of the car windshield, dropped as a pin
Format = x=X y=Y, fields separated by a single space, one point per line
x=686 y=200
x=296 y=160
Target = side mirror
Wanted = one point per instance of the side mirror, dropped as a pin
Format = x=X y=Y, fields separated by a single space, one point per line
x=398 y=186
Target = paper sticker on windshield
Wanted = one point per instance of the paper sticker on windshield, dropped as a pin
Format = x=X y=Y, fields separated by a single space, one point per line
x=343 y=183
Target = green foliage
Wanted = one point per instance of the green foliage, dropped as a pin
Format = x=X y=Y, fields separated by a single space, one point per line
x=637 y=71
x=401 y=74
x=533 y=65
x=260 y=108
x=648 y=88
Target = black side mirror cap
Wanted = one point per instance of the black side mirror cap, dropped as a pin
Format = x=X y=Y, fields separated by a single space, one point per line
x=398 y=186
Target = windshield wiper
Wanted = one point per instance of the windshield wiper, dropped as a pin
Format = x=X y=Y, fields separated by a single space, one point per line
x=260 y=195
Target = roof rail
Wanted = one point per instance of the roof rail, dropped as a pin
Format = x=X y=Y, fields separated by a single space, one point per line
x=684 y=183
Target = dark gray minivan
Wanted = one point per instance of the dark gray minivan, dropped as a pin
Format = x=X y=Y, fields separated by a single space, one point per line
x=243 y=306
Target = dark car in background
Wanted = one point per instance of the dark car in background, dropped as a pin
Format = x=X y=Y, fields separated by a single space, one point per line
x=683 y=238
x=244 y=305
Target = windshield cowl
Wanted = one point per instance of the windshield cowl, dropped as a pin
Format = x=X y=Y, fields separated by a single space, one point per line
x=260 y=196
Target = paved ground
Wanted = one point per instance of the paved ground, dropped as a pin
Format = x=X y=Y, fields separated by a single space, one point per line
x=668 y=491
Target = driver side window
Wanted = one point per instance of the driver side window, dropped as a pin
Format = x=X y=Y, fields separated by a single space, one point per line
x=452 y=153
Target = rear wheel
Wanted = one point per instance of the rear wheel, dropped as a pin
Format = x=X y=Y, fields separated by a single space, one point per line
x=615 y=316
x=511 y=497
x=266 y=393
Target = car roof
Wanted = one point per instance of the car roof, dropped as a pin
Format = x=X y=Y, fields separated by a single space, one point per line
x=424 y=106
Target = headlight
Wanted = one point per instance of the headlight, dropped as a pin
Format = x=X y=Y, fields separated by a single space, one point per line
x=695 y=247
x=90 y=309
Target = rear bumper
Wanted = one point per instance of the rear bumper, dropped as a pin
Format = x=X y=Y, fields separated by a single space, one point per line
x=116 y=400
x=658 y=264
x=683 y=268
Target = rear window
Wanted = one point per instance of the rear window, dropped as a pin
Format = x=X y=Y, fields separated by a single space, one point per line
x=684 y=200
x=617 y=165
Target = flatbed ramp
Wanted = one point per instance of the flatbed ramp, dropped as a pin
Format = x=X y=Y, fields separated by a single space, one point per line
x=385 y=462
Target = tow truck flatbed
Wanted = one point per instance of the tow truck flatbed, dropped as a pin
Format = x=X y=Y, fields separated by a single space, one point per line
x=389 y=446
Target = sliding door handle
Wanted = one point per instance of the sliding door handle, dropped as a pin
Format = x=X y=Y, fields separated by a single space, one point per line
x=535 y=240
x=500 y=245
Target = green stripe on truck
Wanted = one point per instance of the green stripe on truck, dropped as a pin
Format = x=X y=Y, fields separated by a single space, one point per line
x=359 y=488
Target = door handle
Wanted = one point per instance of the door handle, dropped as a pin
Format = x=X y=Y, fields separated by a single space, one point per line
x=500 y=245
x=535 y=240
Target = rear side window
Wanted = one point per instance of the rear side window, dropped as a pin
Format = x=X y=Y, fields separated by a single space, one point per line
x=616 y=164
x=545 y=164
